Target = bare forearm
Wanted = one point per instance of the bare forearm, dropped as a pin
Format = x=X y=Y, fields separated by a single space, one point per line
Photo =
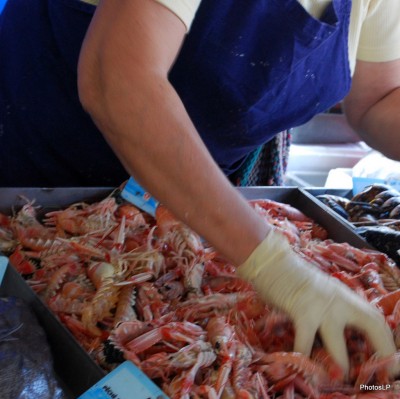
x=373 y=105
x=154 y=138
x=380 y=125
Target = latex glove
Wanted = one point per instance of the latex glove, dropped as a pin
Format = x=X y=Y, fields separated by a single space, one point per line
x=313 y=300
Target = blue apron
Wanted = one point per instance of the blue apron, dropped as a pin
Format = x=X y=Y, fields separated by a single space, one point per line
x=246 y=71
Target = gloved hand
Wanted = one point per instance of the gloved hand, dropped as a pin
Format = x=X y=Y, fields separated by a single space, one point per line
x=313 y=300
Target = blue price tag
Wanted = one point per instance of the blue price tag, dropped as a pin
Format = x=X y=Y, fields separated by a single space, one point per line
x=134 y=193
x=124 y=382
x=3 y=267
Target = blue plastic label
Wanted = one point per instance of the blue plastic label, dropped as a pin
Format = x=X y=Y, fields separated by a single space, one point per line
x=124 y=382
x=134 y=193
x=3 y=267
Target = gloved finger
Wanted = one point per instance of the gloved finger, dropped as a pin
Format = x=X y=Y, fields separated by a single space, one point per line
x=332 y=335
x=380 y=336
x=304 y=336
x=378 y=332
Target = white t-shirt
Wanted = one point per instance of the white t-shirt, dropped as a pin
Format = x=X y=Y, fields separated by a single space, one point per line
x=374 y=33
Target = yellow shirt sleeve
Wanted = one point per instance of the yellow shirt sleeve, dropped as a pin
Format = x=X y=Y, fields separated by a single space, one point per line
x=184 y=9
x=380 y=33
x=374 y=25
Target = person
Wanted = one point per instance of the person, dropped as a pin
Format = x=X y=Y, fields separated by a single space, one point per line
x=184 y=93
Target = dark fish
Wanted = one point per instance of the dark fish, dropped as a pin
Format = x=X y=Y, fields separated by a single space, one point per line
x=383 y=196
x=388 y=206
x=336 y=203
x=370 y=192
x=395 y=212
x=26 y=362
x=384 y=239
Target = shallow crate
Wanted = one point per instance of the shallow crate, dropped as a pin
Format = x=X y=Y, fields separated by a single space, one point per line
x=76 y=370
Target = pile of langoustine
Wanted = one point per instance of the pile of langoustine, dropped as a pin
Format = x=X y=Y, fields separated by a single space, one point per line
x=131 y=287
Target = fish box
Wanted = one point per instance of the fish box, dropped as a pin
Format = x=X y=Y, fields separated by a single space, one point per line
x=74 y=367
x=305 y=200
x=383 y=237
x=75 y=370
x=314 y=192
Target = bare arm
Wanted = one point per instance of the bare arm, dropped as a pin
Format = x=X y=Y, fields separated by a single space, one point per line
x=123 y=84
x=373 y=105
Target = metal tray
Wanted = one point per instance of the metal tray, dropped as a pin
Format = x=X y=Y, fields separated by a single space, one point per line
x=49 y=198
x=305 y=200
x=76 y=369
x=314 y=192
x=73 y=366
